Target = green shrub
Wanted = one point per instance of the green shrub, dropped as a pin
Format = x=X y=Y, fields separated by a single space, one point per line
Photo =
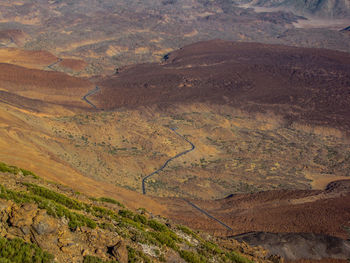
x=144 y=237
x=141 y=219
x=102 y=212
x=58 y=198
x=157 y=226
x=52 y=208
x=26 y=173
x=111 y=200
x=135 y=256
x=212 y=248
x=8 y=169
x=18 y=251
x=188 y=231
x=238 y=258
x=126 y=222
x=126 y=213
x=165 y=239
x=15 y=170
x=192 y=257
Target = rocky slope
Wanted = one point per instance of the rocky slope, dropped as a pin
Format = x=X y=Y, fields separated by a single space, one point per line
x=294 y=246
x=75 y=228
x=262 y=117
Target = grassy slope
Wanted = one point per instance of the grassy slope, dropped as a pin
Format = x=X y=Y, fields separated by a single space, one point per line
x=135 y=228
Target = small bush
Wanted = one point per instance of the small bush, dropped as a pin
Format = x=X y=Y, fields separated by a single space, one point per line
x=111 y=200
x=15 y=170
x=137 y=256
x=126 y=213
x=238 y=258
x=141 y=219
x=18 y=251
x=157 y=226
x=165 y=239
x=8 y=169
x=58 y=198
x=102 y=212
x=26 y=173
x=188 y=231
x=212 y=248
x=191 y=257
x=54 y=209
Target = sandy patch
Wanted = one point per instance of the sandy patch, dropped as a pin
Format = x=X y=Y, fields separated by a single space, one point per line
x=320 y=181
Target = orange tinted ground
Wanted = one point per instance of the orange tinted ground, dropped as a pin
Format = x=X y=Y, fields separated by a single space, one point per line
x=23 y=143
x=27 y=58
x=49 y=87
x=190 y=79
x=73 y=64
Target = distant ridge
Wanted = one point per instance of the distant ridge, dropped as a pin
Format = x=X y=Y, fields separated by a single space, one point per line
x=309 y=85
x=321 y=8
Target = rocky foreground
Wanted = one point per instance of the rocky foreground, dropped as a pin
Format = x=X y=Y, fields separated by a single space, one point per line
x=41 y=221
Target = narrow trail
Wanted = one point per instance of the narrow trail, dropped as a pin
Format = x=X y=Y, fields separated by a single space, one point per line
x=91 y=92
x=97 y=89
x=84 y=98
x=167 y=161
x=187 y=201
x=207 y=214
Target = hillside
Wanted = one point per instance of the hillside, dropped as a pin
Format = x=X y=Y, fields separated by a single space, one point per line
x=221 y=136
x=72 y=227
x=308 y=85
x=111 y=34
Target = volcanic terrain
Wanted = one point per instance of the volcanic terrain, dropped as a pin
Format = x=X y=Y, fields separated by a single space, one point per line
x=243 y=136
x=110 y=34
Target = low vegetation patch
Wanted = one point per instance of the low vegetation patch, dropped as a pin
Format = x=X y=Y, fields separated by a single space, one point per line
x=134 y=227
x=15 y=170
x=18 y=251
x=110 y=200
x=54 y=196
x=53 y=208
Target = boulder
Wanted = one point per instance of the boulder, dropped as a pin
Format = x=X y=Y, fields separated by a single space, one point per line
x=44 y=224
x=120 y=252
x=22 y=216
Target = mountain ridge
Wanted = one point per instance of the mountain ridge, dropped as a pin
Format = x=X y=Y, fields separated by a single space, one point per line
x=319 y=8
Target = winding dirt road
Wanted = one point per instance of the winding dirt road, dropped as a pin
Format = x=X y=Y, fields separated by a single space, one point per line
x=91 y=92
x=55 y=63
x=167 y=161
x=94 y=91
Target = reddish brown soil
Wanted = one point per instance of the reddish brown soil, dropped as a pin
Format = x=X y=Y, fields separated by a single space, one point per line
x=52 y=87
x=322 y=212
x=310 y=85
x=73 y=64
x=34 y=59
x=15 y=35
